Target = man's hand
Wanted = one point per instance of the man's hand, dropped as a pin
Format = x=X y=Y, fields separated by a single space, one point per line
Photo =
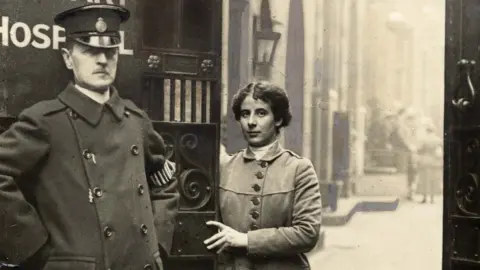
x=226 y=237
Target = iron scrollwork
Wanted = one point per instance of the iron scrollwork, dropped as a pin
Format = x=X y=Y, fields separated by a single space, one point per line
x=195 y=184
x=472 y=153
x=169 y=145
x=464 y=94
x=195 y=188
x=189 y=141
x=474 y=145
x=195 y=181
x=467 y=194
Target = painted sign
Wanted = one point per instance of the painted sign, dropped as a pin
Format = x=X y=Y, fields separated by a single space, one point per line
x=39 y=36
x=31 y=66
x=42 y=35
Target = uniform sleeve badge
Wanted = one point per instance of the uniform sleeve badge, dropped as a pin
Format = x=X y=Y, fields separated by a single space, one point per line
x=164 y=176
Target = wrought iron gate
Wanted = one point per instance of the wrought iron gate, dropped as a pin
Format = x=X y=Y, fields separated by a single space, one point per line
x=461 y=226
x=193 y=147
x=181 y=49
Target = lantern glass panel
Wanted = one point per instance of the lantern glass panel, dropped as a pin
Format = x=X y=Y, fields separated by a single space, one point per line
x=265 y=48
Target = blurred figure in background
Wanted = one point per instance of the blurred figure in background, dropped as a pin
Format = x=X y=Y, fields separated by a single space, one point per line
x=429 y=161
x=404 y=141
x=378 y=145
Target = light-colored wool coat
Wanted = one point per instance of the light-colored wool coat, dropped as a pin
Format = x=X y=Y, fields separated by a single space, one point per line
x=276 y=201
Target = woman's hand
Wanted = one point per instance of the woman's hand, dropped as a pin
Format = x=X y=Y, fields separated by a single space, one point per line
x=226 y=237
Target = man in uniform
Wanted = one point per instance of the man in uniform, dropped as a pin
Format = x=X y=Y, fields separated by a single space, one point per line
x=84 y=183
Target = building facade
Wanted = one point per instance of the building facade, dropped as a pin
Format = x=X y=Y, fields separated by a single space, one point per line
x=340 y=62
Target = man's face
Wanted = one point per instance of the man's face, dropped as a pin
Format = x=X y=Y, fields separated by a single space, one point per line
x=94 y=68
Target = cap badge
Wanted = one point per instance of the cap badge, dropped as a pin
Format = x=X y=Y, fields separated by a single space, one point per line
x=101 y=26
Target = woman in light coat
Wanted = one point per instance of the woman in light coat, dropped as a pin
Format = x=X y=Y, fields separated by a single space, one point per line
x=269 y=197
x=430 y=163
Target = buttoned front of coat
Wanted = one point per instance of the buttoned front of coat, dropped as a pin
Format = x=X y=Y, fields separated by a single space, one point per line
x=83 y=199
x=276 y=201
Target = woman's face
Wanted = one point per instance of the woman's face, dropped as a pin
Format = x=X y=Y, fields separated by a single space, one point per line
x=257 y=122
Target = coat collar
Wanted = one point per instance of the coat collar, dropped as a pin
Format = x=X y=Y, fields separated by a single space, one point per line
x=87 y=108
x=275 y=151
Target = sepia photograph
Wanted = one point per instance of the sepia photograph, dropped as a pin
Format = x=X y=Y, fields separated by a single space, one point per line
x=239 y=135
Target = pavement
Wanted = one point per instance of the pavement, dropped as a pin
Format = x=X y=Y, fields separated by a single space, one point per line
x=408 y=238
x=374 y=193
x=383 y=185
x=347 y=208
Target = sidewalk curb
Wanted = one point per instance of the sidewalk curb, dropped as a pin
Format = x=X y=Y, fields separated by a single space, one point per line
x=340 y=219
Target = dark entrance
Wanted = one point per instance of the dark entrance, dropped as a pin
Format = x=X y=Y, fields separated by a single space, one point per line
x=181 y=46
x=461 y=226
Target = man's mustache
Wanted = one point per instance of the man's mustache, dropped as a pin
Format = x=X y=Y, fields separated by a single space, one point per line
x=101 y=71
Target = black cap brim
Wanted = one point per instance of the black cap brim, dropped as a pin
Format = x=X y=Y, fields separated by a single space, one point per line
x=99 y=41
x=122 y=12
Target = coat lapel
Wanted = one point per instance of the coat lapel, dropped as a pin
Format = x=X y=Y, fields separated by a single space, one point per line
x=87 y=108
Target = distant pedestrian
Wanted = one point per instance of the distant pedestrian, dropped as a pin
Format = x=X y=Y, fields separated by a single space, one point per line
x=430 y=164
x=405 y=144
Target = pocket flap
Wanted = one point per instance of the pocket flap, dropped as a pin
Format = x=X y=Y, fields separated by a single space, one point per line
x=70 y=262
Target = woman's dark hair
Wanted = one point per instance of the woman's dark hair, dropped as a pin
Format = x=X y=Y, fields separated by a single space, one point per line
x=269 y=93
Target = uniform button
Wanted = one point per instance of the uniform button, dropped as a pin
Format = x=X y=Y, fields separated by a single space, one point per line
x=135 y=150
x=98 y=192
x=253 y=227
x=141 y=189
x=73 y=114
x=87 y=154
x=259 y=175
x=147 y=267
x=144 y=229
x=256 y=187
x=255 y=214
x=127 y=114
x=107 y=232
x=255 y=201
x=263 y=164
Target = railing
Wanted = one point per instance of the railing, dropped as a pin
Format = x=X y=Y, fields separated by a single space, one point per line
x=179 y=99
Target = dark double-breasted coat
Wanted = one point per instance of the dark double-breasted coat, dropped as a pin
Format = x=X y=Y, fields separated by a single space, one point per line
x=74 y=192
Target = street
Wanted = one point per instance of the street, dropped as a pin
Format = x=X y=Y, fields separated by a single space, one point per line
x=408 y=238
